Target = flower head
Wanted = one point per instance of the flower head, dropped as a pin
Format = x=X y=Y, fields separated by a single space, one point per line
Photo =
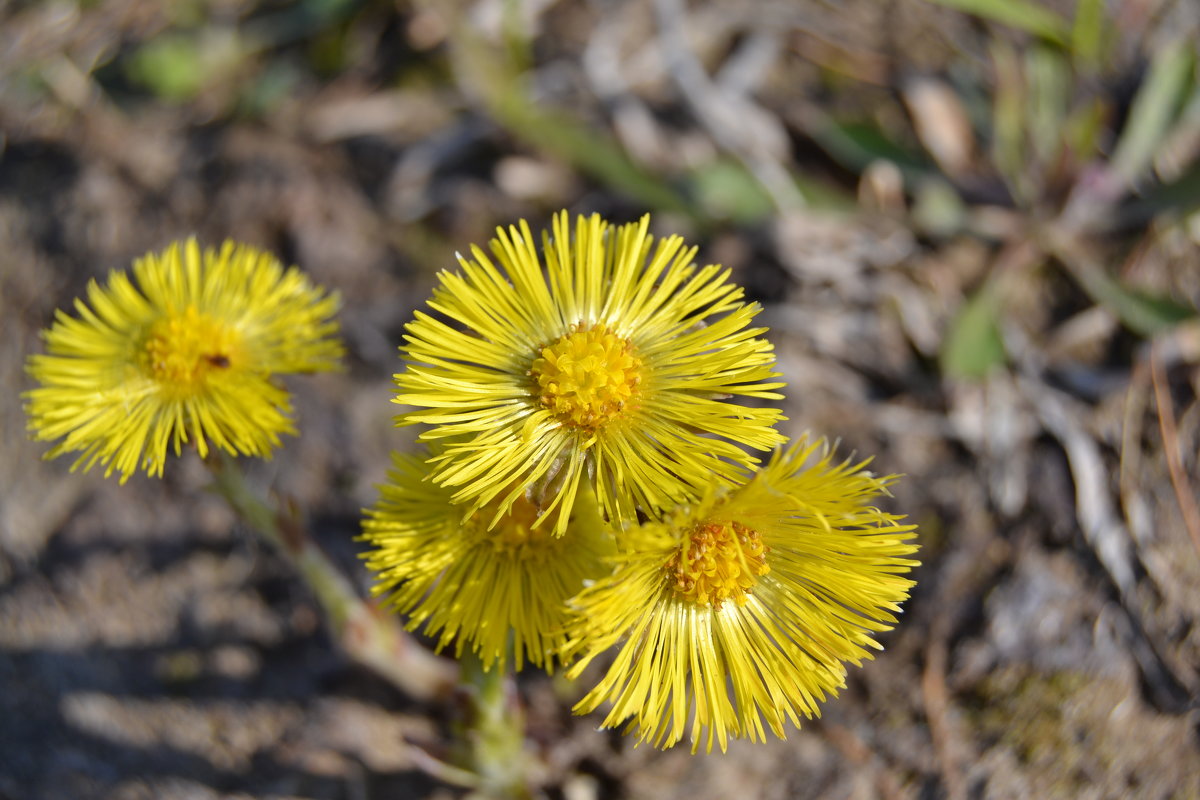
x=183 y=352
x=611 y=364
x=473 y=584
x=737 y=614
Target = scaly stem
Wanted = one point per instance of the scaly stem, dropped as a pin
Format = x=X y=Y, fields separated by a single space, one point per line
x=365 y=633
x=495 y=735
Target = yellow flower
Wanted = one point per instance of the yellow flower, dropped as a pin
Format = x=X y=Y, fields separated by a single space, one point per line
x=611 y=364
x=738 y=614
x=467 y=582
x=183 y=352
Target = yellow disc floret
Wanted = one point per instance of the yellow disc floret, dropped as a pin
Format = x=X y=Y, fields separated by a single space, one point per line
x=514 y=535
x=718 y=561
x=181 y=350
x=588 y=377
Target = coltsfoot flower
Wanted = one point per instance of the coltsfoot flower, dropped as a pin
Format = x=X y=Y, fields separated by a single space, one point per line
x=185 y=351
x=613 y=364
x=472 y=584
x=738 y=614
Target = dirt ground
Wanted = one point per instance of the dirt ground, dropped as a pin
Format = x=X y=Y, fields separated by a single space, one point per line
x=982 y=323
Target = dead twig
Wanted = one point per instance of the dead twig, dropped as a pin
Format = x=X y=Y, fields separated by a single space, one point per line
x=937 y=709
x=965 y=575
x=1166 y=425
x=1101 y=528
x=738 y=124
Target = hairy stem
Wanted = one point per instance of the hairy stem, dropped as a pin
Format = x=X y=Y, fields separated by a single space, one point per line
x=365 y=633
x=495 y=731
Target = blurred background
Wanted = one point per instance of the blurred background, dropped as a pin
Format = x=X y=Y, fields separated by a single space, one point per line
x=972 y=224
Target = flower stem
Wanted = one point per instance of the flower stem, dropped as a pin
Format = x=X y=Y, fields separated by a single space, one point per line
x=495 y=735
x=365 y=633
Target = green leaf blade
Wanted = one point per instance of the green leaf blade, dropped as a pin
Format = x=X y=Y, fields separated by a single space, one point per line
x=1021 y=14
x=974 y=345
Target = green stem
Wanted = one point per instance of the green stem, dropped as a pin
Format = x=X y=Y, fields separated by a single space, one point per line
x=495 y=735
x=365 y=633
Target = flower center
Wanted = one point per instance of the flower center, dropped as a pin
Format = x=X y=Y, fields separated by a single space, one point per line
x=181 y=350
x=588 y=377
x=719 y=561
x=514 y=535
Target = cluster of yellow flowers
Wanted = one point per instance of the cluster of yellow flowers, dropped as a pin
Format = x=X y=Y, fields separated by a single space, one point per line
x=586 y=405
x=584 y=486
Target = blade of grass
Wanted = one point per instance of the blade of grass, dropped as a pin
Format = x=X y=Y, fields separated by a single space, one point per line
x=1180 y=148
x=1181 y=196
x=1008 y=120
x=1021 y=14
x=726 y=190
x=1082 y=129
x=855 y=145
x=489 y=70
x=1154 y=109
x=974 y=343
x=1145 y=314
x=1087 y=33
x=1142 y=313
x=974 y=346
x=1049 y=87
